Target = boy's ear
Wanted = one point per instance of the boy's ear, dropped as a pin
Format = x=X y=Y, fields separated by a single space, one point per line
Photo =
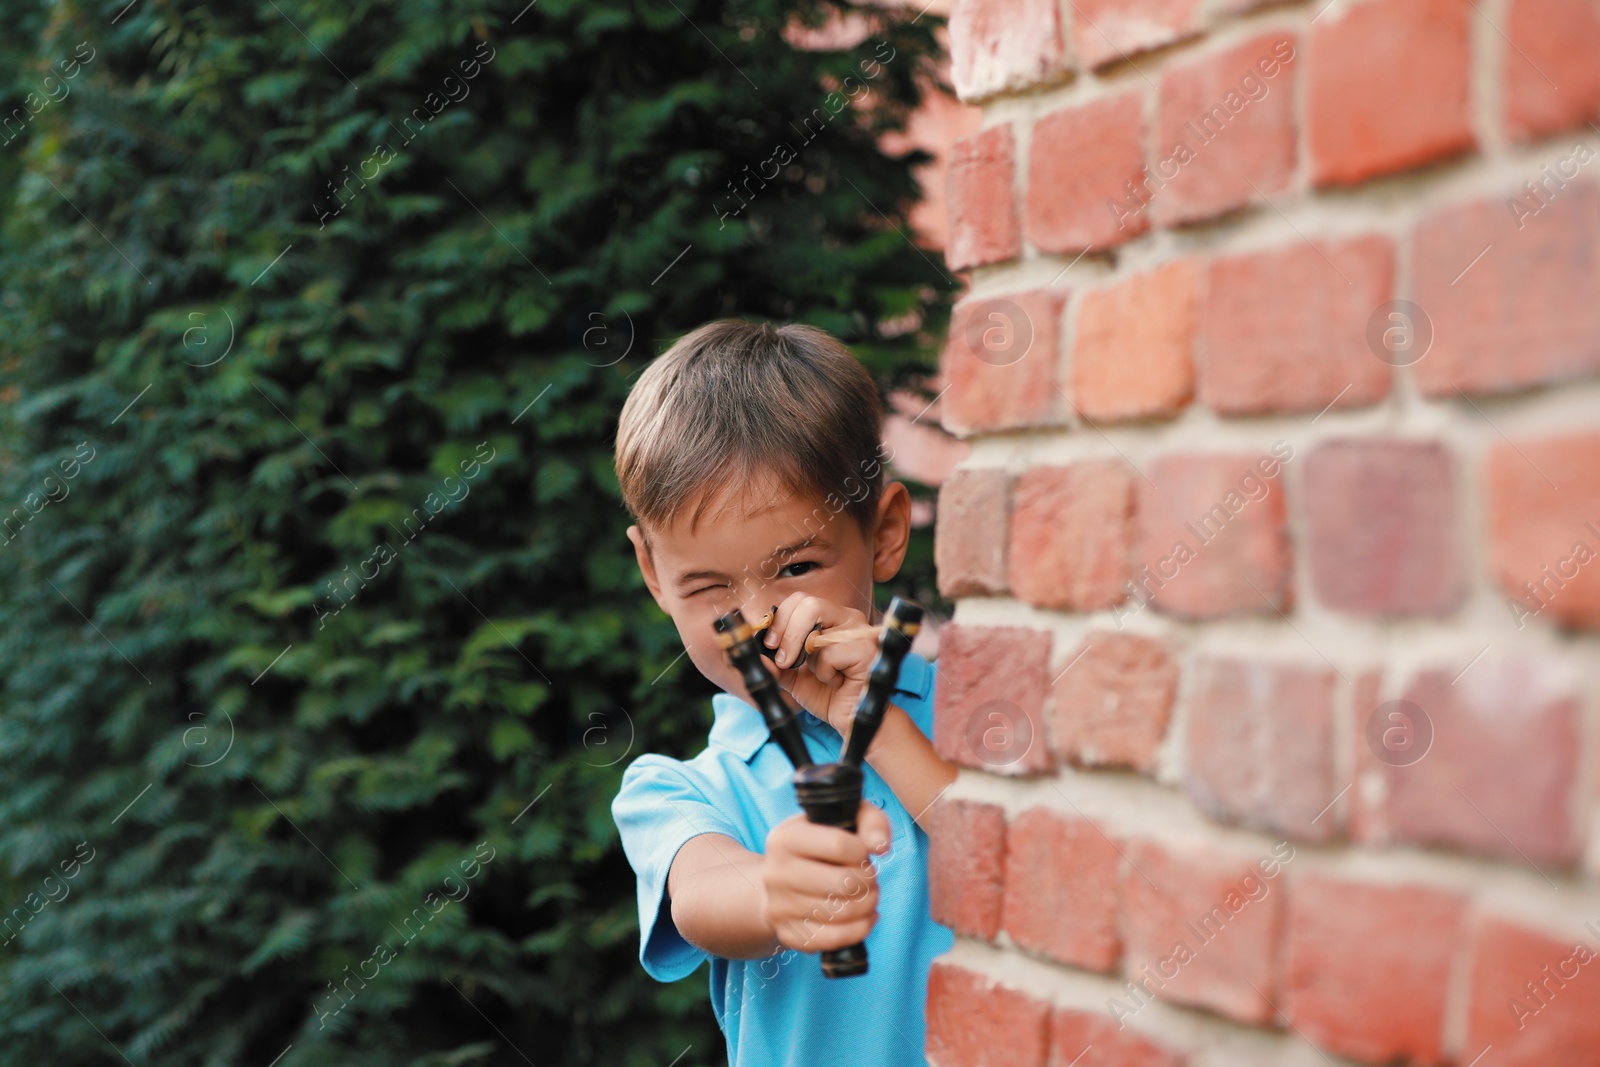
x=647 y=566
x=892 y=531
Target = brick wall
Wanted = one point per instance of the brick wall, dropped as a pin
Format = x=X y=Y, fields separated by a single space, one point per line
x=1275 y=674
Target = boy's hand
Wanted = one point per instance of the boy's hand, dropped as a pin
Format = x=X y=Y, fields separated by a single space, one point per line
x=830 y=682
x=819 y=888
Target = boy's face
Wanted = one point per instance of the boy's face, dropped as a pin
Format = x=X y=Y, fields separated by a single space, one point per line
x=753 y=549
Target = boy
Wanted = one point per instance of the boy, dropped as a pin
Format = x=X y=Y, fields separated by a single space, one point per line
x=749 y=457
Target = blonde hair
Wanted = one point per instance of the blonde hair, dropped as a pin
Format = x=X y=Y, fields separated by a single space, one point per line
x=732 y=400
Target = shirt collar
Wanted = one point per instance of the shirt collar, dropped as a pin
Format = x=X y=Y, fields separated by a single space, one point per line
x=739 y=727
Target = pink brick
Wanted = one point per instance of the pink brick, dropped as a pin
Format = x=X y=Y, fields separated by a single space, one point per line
x=1560 y=1027
x=984 y=224
x=975 y=1022
x=1072 y=535
x=1002 y=359
x=1284 y=330
x=1544 y=535
x=1091 y=1039
x=1368 y=966
x=1552 y=82
x=1113 y=700
x=969 y=542
x=1110 y=31
x=966 y=866
x=1212 y=539
x=989 y=703
x=1389 y=87
x=1061 y=889
x=1079 y=166
x=1227 y=130
x=1133 y=357
x=1510 y=292
x=1001 y=45
x=1382 y=519
x=1260 y=745
x=1500 y=774
x=1200 y=928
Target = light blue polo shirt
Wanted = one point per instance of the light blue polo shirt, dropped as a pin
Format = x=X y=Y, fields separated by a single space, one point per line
x=781 y=1010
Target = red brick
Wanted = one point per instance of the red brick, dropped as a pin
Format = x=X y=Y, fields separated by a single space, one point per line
x=1132 y=357
x=1200 y=927
x=1558 y=1028
x=1544 y=538
x=1091 y=1039
x=1260 y=745
x=1079 y=166
x=989 y=702
x=999 y=45
x=975 y=1022
x=1510 y=293
x=1381 y=520
x=1109 y=31
x=969 y=541
x=1389 y=87
x=1072 y=535
x=1286 y=329
x=1001 y=359
x=1552 y=82
x=1368 y=967
x=1498 y=778
x=1227 y=130
x=1061 y=889
x=984 y=226
x=1212 y=539
x=1113 y=702
x=966 y=866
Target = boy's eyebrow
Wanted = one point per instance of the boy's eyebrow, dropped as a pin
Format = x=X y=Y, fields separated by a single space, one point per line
x=787 y=550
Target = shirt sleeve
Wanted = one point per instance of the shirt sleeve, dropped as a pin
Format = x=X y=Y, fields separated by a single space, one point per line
x=917 y=706
x=657 y=810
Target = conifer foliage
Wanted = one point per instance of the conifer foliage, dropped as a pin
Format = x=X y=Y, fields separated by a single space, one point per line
x=321 y=648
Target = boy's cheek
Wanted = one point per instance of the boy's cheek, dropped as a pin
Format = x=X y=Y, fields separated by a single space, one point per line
x=709 y=660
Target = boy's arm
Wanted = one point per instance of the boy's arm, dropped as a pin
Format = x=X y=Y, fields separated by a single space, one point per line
x=814 y=889
x=715 y=891
x=904 y=758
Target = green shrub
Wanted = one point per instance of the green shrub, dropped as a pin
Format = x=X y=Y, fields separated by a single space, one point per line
x=334 y=610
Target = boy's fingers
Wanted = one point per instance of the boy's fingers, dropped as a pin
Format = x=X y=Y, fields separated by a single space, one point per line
x=872 y=826
x=781 y=618
x=806 y=938
x=827 y=844
x=809 y=880
x=798 y=616
x=837 y=935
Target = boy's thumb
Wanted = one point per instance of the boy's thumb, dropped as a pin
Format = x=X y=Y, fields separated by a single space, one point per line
x=873 y=826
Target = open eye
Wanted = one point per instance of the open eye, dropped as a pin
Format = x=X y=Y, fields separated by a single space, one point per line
x=806 y=565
